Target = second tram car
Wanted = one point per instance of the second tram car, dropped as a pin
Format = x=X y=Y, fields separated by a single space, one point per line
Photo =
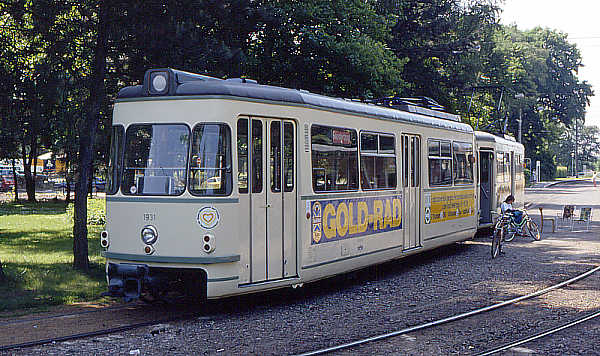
x=230 y=187
x=501 y=173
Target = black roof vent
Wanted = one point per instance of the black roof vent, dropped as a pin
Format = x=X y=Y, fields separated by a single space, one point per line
x=241 y=80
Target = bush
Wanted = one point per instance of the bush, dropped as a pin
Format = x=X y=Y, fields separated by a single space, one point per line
x=561 y=172
x=96 y=212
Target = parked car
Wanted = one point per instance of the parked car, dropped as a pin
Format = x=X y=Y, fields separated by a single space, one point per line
x=98 y=184
x=60 y=185
x=6 y=183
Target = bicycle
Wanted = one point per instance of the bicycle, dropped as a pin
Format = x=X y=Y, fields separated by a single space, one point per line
x=506 y=228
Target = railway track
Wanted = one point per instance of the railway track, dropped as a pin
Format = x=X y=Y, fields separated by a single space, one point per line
x=469 y=314
x=540 y=335
x=139 y=312
x=66 y=315
x=176 y=315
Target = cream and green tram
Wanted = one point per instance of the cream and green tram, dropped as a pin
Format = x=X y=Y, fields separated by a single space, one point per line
x=229 y=187
x=501 y=173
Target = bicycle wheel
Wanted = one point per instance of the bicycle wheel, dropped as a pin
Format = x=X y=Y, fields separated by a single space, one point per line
x=510 y=233
x=534 y=231
x=497 y=241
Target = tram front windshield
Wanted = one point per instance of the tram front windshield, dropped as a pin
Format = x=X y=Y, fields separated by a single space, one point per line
x=155 y=159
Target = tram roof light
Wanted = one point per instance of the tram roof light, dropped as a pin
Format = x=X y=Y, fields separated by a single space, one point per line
x=164 y=81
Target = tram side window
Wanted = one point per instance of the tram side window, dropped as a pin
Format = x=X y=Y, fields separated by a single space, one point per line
x=440 y=162
x=155 y=159
x=519 y=164
x=288 y=157
x=334 y=159
x=507 y=167
x=242 y=147
x=115 y=162
x=500 y=167
x=377 y=161
x=210 y=166
x=243 y=162
x=463 y=168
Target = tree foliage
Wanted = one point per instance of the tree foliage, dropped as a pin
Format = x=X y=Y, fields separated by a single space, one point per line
x=61 y=65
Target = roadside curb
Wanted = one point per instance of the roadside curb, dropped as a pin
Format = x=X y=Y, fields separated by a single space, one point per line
x=542 y=185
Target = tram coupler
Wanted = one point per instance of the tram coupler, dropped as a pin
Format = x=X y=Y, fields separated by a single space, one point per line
x=125 y=280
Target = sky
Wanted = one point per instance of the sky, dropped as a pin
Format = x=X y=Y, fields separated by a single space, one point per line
x=577 y=18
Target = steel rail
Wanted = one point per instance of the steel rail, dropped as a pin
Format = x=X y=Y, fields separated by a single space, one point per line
x=58 y=316
x=540 y=335
x=95 y=333
x=451 y=318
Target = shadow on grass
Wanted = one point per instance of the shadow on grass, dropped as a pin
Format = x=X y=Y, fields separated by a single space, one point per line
x=27 y=208
x=51 y=239
x=36 y=249
x=40 y=285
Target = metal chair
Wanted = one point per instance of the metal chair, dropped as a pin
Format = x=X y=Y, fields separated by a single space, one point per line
x=585 y=216
x=567 y=214
x=552 y=219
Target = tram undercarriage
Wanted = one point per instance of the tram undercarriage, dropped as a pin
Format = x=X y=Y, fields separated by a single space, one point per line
x=135 y=281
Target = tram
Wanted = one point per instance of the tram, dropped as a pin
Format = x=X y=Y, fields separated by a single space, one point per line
x=501 y=173
x=229 y=187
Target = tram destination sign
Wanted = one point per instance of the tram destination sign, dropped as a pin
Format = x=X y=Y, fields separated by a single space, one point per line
x=340 y=219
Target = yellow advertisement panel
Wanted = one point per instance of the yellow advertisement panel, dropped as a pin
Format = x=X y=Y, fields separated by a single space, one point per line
x=449 y=205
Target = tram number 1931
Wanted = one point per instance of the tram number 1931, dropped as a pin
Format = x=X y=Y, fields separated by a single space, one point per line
x=149 y=217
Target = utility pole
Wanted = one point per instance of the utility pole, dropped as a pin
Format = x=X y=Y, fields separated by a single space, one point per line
x=520 y=122
x=520 y=96
x=576 y=148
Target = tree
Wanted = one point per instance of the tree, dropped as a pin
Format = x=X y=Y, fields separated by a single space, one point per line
x=35 y=35
x=441 y=39
x=87 y=133
x=336 y=48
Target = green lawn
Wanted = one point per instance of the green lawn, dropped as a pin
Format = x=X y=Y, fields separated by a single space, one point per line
x=36 y=250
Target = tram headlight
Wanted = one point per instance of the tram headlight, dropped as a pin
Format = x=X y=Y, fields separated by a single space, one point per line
x=149 y=234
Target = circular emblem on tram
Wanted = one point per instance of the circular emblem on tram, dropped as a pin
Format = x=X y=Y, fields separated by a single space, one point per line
x=427 y=215
x=208 y=217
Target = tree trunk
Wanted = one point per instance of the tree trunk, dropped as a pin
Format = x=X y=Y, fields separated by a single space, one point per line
x=68 y=191
x=68 y=178
x=2 y=276
x=29 y=178
x=16 y=187
x=87 y=135
x=90 y=185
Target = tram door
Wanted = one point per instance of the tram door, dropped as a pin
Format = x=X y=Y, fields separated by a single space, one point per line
x=485 y=187
x=513 y=179
x=272 y=203
x=411 y=170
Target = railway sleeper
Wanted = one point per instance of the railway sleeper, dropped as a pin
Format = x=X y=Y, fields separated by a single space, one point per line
x=135 y=281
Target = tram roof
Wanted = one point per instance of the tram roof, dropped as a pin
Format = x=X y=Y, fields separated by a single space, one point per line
x=488 y=137
x=190 y=85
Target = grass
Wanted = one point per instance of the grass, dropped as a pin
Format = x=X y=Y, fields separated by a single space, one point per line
x=36 y=250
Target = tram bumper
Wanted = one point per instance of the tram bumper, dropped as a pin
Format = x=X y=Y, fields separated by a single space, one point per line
x=126 y=280
x=131 y=281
